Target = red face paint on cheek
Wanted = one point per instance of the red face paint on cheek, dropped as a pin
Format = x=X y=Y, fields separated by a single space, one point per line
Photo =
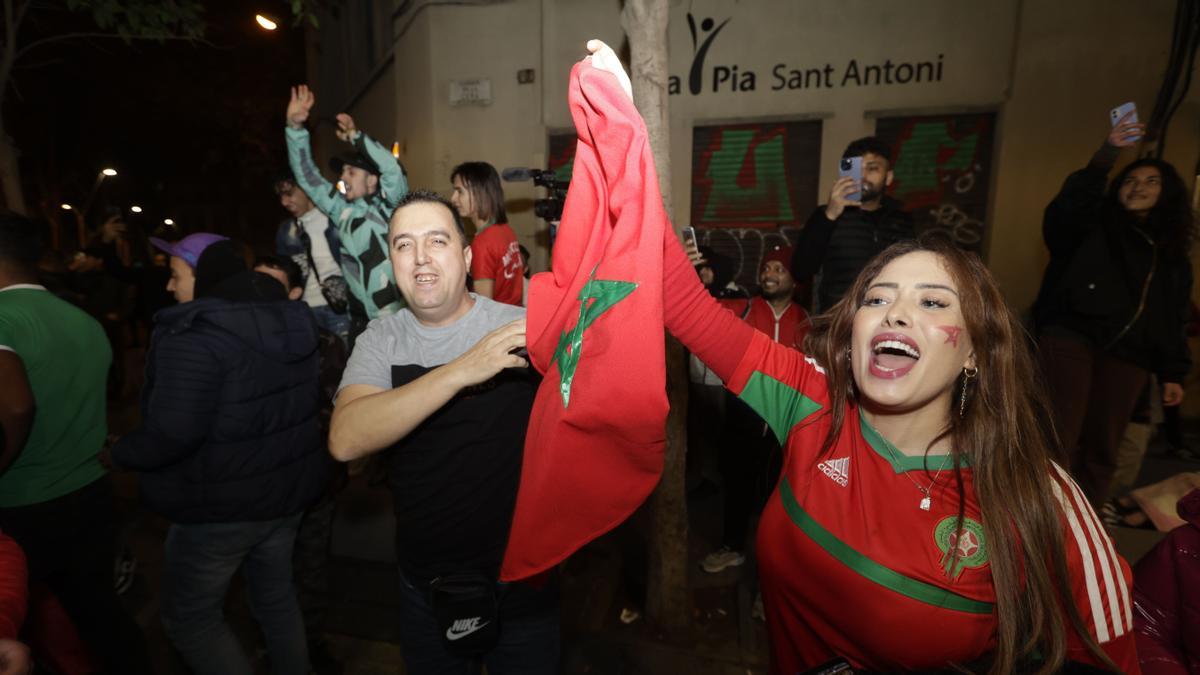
x=951 y=334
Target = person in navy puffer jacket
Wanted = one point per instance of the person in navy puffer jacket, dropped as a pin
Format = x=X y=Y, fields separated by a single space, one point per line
x=229 y=451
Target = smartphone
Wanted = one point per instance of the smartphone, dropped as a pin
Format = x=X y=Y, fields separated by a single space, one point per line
x=1122 y=110
x=852 y=166
x=689 y=237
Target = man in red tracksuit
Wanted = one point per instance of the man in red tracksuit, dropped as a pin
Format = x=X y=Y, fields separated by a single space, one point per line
x=746 y=446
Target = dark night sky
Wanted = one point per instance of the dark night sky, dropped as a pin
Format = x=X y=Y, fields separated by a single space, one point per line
x=195 y=130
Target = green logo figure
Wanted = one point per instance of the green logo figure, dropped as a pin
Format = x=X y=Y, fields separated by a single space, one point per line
x=595 y=298
x=970 y=542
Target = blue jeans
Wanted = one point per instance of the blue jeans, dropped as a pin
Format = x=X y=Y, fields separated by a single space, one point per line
x=201 y=560
x=529 y=635
x=338 y=324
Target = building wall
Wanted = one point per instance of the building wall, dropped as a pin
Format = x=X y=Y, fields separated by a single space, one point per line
x=1050 y=70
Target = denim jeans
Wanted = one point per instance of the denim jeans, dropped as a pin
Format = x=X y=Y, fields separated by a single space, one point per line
x=529 y=634
x=338 y=324
x=201 y=560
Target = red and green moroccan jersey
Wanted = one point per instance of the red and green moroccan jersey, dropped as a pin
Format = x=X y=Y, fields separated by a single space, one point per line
x=851 y=565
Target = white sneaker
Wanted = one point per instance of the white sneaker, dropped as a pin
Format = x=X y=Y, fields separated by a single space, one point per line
x=718 y=560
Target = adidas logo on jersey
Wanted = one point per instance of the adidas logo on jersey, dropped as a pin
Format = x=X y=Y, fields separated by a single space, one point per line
x=838 y=470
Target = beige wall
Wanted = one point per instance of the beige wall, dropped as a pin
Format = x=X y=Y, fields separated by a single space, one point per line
x=1051 y=69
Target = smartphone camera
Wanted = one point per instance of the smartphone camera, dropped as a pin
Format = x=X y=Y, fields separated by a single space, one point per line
x=847 y=165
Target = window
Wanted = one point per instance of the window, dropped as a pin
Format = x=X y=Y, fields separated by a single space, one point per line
x=942 y=168
x=755 y=175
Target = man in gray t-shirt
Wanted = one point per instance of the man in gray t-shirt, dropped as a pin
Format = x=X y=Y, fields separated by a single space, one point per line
x=438 y=384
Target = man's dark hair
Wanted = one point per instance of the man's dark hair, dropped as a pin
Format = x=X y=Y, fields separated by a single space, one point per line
x=295 y=275
x=428 y=197
x=871 y=144
x=481 y=179
x=284 y=179
x=20 y=241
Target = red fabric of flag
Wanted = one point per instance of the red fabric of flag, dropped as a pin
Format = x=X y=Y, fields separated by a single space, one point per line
x=594 y=449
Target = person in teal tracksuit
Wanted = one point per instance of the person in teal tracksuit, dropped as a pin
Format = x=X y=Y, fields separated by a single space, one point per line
x=373 y=183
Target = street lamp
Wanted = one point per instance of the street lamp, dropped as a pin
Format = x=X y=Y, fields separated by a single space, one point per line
x=266 y=23
x=109 y=172
x=168 y=221
x=66 y=207
x=135 y=208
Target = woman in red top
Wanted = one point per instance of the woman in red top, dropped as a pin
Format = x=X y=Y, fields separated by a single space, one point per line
x=496 y=268
x=919 y=521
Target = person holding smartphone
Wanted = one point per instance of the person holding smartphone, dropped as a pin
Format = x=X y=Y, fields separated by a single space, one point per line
x=1115 y=299
x=857 y=223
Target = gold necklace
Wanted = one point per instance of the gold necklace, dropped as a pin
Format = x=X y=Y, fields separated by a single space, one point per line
x=926 y=500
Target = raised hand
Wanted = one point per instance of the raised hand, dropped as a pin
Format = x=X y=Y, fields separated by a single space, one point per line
x=490 y=355
x=842 y=188
x=346 y=127
x=1126 y=133
x=604 y=58
x=300 y=104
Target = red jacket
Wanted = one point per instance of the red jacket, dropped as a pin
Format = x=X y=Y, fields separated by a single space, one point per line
x=789 y=328
x=1166 y=594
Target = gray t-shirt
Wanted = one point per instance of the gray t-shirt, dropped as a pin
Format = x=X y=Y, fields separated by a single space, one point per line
x=458 y=471
x=400 y=339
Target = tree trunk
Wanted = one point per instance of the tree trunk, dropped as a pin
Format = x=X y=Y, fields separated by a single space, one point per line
x=668 y=605
x=10 y=174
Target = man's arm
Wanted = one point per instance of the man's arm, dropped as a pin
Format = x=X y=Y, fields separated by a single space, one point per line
x=304 y=168
x=367 y=419
x=16 y=407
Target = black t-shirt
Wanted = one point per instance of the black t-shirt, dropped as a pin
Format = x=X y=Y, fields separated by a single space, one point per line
x=454 y=478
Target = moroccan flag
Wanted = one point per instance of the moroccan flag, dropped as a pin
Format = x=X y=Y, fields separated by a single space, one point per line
x=594 y=449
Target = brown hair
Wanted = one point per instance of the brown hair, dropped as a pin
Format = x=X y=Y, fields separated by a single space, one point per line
x=1006 y=435
x=481 y=179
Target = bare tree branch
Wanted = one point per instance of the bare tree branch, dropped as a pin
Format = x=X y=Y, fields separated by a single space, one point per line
x=74 y=36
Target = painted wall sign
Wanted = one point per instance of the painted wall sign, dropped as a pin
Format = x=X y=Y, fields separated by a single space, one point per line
x=783 y=76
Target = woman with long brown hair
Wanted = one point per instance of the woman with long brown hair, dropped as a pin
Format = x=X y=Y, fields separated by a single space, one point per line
x=920 y=522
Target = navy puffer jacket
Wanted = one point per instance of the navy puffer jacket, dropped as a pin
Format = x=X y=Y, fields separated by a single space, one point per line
x=229 y=412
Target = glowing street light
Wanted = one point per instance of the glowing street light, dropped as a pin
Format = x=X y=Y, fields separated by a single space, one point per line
x=109 y=172
x=66 y=207
x=135 y=209
x=168 y=221
x=266 y=23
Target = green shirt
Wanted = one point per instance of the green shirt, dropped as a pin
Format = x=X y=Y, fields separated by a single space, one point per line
x=66 y=357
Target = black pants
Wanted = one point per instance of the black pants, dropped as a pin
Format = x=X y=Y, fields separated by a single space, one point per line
x=69 y=545
x=749 y=464
x=310 y=565
x=1094 y=395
